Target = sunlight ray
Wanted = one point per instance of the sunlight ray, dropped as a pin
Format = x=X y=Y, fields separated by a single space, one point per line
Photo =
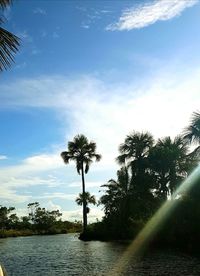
x=149 y=231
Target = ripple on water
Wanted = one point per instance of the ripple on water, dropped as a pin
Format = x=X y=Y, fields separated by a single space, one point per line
x=66 y=255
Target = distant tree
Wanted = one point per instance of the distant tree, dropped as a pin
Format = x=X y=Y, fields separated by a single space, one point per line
x=90 y=199
x=45 y=220
x=6 y=217
x=32 y=207
x=42 y=219
x=9 y=43
x=82 y=152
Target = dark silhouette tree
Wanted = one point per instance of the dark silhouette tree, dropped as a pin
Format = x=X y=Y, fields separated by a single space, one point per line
x=116 y=197
x=82 y=152
x=170 y=164
x=134 y=153
x=191 y=133
x=9 y=43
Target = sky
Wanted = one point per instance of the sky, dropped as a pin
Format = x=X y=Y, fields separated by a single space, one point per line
x=100 y=68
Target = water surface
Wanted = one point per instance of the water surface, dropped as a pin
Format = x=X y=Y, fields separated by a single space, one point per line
x=66 y=255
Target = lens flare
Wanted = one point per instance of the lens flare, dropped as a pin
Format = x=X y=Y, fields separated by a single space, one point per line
x=153 y=225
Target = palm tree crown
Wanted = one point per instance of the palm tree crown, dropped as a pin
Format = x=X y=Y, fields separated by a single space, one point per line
x=9 y=43
x=82 y=152
x=90 y=199
x=135 y=146
x=192 y=132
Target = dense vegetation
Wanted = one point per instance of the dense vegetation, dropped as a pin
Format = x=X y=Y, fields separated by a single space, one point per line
x=149 y=174
x=38 y=222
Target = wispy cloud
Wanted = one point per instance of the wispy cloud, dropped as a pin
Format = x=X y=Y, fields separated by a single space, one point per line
x=85 y=26
x=3 y=157
x=95 y=184
x=24 y=36
x=39 y=11
x=94 y=214
x=104 y=114
x=58 y=195
x=27 y=174
x=150 y=12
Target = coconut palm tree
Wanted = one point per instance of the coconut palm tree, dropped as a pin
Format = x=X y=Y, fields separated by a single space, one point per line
x=82 y=152
x=9 y=43
x=90 y=199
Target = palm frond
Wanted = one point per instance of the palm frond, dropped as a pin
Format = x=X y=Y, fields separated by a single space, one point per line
x=5 y=3
x=9 y=44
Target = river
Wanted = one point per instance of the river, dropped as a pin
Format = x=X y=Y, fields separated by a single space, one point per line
x=66 y=255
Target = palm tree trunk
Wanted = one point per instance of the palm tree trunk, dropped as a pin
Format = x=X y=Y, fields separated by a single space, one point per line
x=84 y=200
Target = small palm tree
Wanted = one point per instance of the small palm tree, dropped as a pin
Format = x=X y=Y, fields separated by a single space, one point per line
x=90 y=199
x=9 y=43
x=82 y=152
x=117 y=193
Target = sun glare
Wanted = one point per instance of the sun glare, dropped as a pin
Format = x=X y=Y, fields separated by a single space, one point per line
x=149 y=231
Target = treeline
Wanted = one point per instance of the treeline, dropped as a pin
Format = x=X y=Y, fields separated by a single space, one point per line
x=38 y=221
x=150 y=172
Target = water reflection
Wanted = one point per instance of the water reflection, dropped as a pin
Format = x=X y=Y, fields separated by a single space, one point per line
x=66 y=255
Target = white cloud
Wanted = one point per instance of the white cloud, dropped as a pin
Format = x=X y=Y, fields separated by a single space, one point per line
x=58 y=195
x=150 y=12
x=37 y=163
x=105 y=113
x=94 y=214
x=10 y=196
x=94 y=184
x=26 y=175
x=85 y=26
x=3 y=157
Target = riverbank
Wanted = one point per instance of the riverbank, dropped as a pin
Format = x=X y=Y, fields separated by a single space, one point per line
x=23 y=233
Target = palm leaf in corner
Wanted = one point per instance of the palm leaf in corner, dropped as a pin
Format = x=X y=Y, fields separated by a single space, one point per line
x=9 y=43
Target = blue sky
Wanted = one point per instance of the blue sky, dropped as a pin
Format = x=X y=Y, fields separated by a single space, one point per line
x=101 y=68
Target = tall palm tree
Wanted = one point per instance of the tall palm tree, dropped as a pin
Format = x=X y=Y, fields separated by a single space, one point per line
x=82 y=152
x=9 y=43
x=90 y=199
